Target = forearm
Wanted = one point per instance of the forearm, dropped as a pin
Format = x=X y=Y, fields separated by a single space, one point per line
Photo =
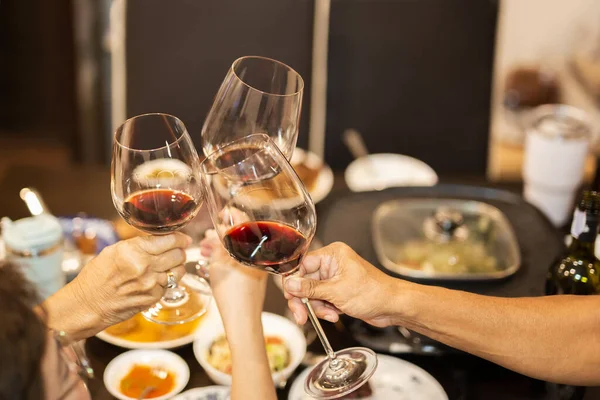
x=67 y=311
x=251 y=375
x=554 y=338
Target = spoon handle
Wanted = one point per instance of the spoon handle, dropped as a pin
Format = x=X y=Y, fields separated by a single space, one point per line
x=355 y=143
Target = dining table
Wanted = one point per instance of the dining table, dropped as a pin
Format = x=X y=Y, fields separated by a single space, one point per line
x=68 y=191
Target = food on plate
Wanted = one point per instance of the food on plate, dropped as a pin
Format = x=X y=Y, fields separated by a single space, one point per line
x=362 y=392
x=308 y=166
x=307 y=174
x=141 y=377
x=139 y=329
x=219 y=354
x=452 y=257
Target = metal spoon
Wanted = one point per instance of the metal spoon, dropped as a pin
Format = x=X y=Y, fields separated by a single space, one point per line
x=146 y=392
x=160 y=373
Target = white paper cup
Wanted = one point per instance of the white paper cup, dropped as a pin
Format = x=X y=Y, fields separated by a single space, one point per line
x=556 y=147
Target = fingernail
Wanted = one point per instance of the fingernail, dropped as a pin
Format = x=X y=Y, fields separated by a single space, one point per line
x=293 y=284
x=329 y=318
x=296 y=318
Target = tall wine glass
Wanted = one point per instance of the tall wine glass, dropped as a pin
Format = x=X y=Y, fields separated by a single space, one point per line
x=258 y=95
x=155 y=189
x=266 y=219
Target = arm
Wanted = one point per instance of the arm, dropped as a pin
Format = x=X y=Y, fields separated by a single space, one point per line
x=240 y=293
x=250 y=367
x=553 y=338
x=121 y=281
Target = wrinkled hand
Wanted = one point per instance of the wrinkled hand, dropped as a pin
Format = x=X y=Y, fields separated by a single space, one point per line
x=130 y=276
x=337 y=280
x=239 y=291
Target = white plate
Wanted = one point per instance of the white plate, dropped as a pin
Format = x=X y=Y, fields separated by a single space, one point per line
x=394 y=379
x=205 y=393
x=128 y=344
x=167 y=344
x=120 y=366
x=324 y=181
x=385 y=170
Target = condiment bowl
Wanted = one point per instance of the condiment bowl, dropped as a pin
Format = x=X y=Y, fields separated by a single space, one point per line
x=121 y=365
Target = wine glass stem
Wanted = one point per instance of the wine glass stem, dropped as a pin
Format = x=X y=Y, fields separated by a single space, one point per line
x=333 y=362
x=174 y=294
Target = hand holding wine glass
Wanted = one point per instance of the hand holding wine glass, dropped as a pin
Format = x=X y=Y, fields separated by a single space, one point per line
x=155 y=189
x=327 y=277
x=266 y=219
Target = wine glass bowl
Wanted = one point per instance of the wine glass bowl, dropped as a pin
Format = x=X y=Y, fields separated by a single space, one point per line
x=266 y=219
x=155 y=188
x=258 y=95
x=261 y=215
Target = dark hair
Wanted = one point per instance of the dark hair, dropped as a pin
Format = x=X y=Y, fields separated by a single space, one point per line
x=23 y=335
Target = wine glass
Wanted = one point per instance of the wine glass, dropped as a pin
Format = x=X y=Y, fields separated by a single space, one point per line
x=155 y=189
x=258 y=95
x=266 y=219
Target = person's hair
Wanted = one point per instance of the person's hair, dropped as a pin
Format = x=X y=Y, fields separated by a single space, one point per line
x=23 y=335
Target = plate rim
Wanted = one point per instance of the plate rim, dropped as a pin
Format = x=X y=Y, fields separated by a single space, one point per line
x=202 y=390
x=133 y=345
x=164 y=345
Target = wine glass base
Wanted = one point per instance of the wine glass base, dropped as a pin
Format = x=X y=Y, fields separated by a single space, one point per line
x=193 y=306
x=351 y=369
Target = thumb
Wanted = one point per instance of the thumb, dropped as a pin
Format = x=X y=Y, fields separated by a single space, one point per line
x=309 y=288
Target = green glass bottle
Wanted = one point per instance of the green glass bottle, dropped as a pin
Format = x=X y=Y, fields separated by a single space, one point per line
x=577 y=271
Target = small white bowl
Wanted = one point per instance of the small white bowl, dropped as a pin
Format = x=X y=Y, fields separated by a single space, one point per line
x=120 y=366
x=385 y=170
x=273 y=325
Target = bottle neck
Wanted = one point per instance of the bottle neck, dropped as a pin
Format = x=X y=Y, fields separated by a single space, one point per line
x=584 y=231
x=578 y=245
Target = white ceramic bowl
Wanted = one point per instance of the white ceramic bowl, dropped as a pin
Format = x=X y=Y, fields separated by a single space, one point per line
x=120 y=366
x=385 y=170
x=273 y=325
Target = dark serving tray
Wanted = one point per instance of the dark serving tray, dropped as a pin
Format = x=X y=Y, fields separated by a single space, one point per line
x=348 y=219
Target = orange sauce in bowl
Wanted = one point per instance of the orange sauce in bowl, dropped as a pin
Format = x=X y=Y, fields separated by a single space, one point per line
x=142 y=376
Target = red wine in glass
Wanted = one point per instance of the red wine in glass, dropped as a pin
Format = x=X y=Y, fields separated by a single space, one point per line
x=268 y=245
x=159 y=211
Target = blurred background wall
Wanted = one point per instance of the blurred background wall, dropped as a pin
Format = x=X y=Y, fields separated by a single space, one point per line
x=415 y=76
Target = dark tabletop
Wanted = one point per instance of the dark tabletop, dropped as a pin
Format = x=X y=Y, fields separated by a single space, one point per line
x=87 y=189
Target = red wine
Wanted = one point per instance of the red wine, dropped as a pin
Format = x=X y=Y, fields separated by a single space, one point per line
x=159 y=210
x=268 y=245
